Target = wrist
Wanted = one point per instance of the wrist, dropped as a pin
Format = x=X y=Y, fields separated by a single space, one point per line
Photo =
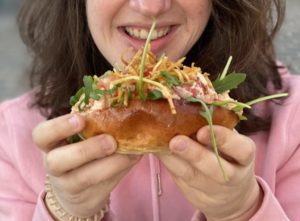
x=252 y=204
x=58 y=213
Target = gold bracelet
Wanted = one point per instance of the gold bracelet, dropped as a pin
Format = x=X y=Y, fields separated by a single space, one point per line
x=60 y=214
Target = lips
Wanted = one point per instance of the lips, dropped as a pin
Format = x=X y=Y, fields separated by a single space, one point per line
x=142 y=33
x=137 y=35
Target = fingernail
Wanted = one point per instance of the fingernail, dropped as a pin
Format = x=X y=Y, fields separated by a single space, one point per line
x=178 y=145
x=107 y=143
x=74 y=121
x=203 y=133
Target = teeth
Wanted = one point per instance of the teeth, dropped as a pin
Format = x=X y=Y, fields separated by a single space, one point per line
x=136 y=32
x=143 y=33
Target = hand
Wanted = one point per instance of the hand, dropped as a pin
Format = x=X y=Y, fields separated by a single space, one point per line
x=82 y=174
x=196 y=171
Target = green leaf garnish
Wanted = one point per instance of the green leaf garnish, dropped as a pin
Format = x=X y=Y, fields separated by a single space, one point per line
x=94 y=96
x=207 y=114
x=237 y=109
x=109 y=91
x=228 y=82
x=171 y=79
x=155 y=95
x=88 y=87
x=274 y=96
x=142 y=65
x=131 y=95
x=74 y=99
x=225 y=71
x=224 y=103
x=75 y=138
x=90 y=90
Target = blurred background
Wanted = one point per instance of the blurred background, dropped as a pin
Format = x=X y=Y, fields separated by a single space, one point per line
x=14 y=61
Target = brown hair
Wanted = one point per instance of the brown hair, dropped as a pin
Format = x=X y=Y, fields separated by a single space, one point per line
x=63 y=51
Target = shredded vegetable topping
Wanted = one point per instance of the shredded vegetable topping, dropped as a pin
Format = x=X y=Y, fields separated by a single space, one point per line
x=162 y=79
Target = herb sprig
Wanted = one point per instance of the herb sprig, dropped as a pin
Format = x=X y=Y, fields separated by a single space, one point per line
x=155 y=95
x=226 y=82
x=260 y=99
x=207 y=114
x=90 y=90
x=231 y=81
x=170 y=79
x=142 y=65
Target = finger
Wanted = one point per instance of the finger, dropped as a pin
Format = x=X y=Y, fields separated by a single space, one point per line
x=179 y=167
x=66 y=158
x=97 y=171
x=229 y=142
x=50 y=132
x=66 y=189
x=201 y=158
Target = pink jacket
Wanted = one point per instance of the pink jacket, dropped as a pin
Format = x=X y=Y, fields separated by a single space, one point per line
x=137 y=197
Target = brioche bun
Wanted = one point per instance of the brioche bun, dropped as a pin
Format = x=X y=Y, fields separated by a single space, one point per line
x=148 y=126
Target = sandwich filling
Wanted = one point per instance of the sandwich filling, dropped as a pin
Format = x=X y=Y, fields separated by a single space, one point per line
x=162 y=79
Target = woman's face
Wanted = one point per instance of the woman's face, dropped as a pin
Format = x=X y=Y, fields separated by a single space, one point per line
x=117 y=25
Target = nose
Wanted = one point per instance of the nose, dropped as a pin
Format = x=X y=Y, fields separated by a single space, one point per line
x=150 y=7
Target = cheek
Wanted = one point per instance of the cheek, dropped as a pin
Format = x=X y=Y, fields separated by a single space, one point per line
x=197 y=10
x=198 y=7
x=99 y=13
x=199 y=13
x=91 y=12
x=97 y=19
x=101 y=16
x=198 y=16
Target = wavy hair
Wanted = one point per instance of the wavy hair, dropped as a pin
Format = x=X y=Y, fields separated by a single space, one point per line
x=57 y=35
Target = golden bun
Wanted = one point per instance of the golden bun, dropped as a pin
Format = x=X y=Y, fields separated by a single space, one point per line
x=148 y=126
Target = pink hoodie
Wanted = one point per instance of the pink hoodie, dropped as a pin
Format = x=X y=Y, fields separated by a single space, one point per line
x=137 y=197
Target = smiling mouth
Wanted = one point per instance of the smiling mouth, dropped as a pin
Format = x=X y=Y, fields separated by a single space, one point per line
x=142 y=33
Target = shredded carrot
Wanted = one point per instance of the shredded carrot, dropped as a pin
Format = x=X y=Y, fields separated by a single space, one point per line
x=129 y=76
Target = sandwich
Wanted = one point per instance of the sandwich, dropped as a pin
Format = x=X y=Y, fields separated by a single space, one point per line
x=144 y=112
x=151 y=99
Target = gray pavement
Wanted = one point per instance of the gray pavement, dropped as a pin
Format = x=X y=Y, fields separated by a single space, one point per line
x=14 y=60
x=288 y=40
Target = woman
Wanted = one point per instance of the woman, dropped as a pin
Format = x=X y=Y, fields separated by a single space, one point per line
x=69 y=39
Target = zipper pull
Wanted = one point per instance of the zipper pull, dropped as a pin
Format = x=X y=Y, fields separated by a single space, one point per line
x=158 y=185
